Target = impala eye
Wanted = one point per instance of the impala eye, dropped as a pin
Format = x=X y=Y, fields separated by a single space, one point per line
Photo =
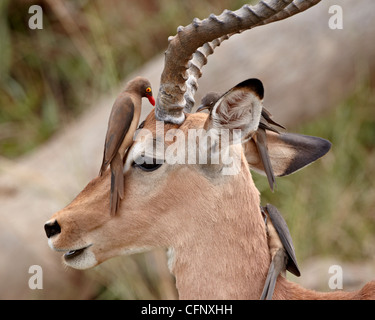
x=147 y=165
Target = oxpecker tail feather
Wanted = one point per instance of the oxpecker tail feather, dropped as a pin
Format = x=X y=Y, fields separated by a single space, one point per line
x=117 y=183
x=261 y=142
x=268 y=289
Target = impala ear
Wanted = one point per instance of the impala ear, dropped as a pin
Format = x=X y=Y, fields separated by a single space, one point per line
x=288 y=152
x=239 y=108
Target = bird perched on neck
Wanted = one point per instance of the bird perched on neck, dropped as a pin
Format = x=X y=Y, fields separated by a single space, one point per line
x=210 y=100
x=122 y=124
x=281 y=249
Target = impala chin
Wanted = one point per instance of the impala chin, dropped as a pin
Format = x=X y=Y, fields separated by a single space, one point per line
x=81 y=258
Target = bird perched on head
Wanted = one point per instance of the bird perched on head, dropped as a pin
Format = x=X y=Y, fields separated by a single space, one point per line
x=281 y=249
x=209 y=101
x=122 y=124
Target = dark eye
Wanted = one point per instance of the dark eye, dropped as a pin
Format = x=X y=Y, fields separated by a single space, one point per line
x=148 y=165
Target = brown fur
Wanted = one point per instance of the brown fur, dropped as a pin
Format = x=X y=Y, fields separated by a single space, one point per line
x=212 y=222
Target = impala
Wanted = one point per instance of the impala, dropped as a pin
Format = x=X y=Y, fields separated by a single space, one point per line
x=210 y=221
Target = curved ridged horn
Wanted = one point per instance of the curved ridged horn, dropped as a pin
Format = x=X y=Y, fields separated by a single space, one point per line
x=200 y=56
x=175 y=80
x=194 y=72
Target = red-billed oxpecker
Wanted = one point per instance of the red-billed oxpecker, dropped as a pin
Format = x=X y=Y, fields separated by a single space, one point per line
x=281 y=248
x=122 y=124
x=212 y=98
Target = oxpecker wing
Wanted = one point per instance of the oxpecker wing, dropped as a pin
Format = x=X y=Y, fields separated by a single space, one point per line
x=120 y=119
x=260 y=139
x=266 y=118
x=122 y=124
x=281 y=249
x=286 y=239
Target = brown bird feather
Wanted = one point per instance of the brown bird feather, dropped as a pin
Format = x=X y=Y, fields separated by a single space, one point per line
x=122 y=123
x=281 y=247
x=260 y=139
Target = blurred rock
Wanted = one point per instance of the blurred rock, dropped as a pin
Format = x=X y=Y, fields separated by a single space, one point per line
x=316 y=273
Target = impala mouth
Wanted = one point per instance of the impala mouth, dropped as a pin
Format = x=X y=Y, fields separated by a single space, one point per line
x=72 y=254
x=81 y=258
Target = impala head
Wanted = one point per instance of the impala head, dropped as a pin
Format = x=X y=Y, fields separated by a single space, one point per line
x=168 y=184
x=171 y=194
x=168 y=198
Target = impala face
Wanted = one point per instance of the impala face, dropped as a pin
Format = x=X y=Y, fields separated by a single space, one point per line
x=159 y=198
x=164 y=203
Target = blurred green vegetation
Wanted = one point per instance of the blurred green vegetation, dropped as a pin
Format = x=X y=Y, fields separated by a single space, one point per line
x=49 y=76
x=330 y=205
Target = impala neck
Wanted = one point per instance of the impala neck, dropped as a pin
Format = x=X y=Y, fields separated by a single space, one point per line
x=228 y=257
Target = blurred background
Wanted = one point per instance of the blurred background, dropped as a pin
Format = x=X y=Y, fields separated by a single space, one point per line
x=57 y=86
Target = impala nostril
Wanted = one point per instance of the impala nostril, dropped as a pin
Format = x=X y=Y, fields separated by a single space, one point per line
x=52 y=228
